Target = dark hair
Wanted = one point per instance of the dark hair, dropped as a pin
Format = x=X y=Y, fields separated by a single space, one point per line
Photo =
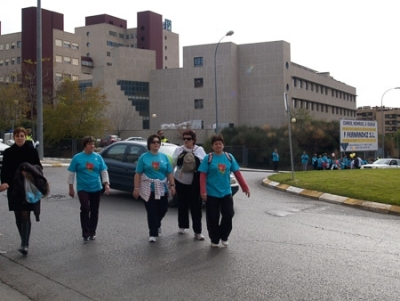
x=19 y=130
x=150 y=140
x=217 y=138
x=86 y=140
x=191 y=134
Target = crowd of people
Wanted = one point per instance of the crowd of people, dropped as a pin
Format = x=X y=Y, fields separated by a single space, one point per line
x=326 y=162
x=197 y=177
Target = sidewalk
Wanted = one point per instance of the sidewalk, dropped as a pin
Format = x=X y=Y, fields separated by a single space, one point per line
x=334 y=199
x=7 y=293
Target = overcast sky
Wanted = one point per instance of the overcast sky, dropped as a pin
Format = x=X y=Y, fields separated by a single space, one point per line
x=357 y=41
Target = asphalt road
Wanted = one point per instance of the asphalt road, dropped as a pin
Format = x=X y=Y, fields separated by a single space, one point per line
x=283 y=247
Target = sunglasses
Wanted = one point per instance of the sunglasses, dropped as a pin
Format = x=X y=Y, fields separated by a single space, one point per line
x=187 y=138
x=155 y=142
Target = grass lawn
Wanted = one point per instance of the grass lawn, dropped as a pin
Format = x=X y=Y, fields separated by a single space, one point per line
x=375 y=185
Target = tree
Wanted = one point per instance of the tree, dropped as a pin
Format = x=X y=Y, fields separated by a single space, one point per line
x=76 y=114
x=12 y=105
x=121 y=117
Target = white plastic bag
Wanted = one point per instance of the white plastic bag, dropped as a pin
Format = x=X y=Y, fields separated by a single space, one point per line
x=32 y=194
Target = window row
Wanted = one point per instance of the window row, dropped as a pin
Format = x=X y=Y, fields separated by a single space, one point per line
x=319 y=107
x=61 y=76
x=66 y=44
x=67 y=60
x=304 y=84
x=10 y=78
x=12 y=45
x=12 y=61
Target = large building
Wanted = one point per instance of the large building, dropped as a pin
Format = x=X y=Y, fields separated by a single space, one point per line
x=138 y=69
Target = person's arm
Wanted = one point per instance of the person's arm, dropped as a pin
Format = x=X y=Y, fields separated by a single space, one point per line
x=71 y=178
x=136 y=185
x=105 y=181
x=203 y=187
x=242 y=183
x=171 y=183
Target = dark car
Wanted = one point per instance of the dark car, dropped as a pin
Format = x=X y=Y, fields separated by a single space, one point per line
x=121 y=159
x=110 y=139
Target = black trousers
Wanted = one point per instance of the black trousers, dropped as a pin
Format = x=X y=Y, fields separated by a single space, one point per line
x=219 y=215
x=275 y=165
x=189 y=200
x=90 y=203
x=156 y=210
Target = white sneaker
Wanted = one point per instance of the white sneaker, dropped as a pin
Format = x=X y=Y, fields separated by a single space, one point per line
x=198 y=236
x=214 y=245
x=225 y=242
x=152 y=239
x=181 y=230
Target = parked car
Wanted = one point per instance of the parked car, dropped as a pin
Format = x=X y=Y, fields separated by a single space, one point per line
x=135 y=139
x=110 y=139
x=121 y=159
x=383 y=163
x=3 y=147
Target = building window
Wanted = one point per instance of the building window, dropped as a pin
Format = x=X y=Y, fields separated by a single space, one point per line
x=88 y=33
x=87 y=44
x=12 y=45
x=67 y=44
x=198 y=82
x=166 y=58
x=108 y=53
x=75 y=46
x=59 y=59
x=300 y=84
x=1 y=63
x=112 y=33
x=67 y=76
x=67 y=60
x=316 y=88
x=198 y=61
x=306 y=85
x=326 y=109
x=6 y=63
x=198 y=104
x=75 y=77
x=165 y=38
x=121 y=35
x=58 y=42
x=1 y=46
x=18 y=60
x=7 y=46
x=294 y=82
x=59 y=76
x=75 y=61
x=109 y=64
x=165 y=48
x=13 y=61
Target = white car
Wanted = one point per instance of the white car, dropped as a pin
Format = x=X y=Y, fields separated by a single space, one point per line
x=383 y=163
x=135 y=139
x=3 y=147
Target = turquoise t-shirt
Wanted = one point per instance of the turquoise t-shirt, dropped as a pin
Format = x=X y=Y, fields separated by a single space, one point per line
x=88 y=168
x=218 y=174
x=154 y=166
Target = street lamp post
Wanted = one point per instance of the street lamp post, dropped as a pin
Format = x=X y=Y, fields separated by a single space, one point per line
x=290 y=120
x=383 y=121
x=229 y=33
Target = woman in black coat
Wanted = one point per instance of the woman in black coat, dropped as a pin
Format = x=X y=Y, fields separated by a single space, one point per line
x=19 y=152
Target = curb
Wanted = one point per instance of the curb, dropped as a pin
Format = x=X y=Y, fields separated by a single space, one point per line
x=334 y=199
x=55 y=164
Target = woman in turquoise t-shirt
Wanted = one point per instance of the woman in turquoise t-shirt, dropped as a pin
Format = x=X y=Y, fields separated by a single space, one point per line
x=153 y=173
x=215 y=190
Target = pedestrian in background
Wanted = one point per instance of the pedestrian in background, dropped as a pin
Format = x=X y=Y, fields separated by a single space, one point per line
x=161 y=134
x=275 y=159
x=187 y=180
x=304 y=160
x=152 y=178
x=91 y=175
x=314 y=161
x=20 y=152
x=215 y=190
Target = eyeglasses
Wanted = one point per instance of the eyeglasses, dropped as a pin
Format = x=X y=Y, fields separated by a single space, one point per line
x=155 y=142
x=187 y=138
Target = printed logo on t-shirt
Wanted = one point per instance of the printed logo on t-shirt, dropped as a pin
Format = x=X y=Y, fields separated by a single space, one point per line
x=221 y=168
x=89 y=166
x=156 y=165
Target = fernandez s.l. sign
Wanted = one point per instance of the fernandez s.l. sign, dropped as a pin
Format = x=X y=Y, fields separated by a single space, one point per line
x=361 y=135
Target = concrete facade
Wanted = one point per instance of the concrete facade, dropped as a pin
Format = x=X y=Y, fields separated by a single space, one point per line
x=251 y=78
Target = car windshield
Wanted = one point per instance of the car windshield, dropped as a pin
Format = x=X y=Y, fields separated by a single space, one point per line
x=382 y=161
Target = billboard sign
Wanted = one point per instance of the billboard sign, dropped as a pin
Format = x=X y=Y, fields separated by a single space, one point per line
x=359 y=135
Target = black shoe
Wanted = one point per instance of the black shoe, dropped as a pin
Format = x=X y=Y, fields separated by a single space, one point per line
x=86 y=238
x=23 y=250
x=92 y=237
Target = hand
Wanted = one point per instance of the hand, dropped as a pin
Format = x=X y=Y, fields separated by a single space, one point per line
x=247 y=193
x=203 y=197
x=3 y=187
x=71 y=192
x=135 y=193
x=172 y=190
x=107 y=189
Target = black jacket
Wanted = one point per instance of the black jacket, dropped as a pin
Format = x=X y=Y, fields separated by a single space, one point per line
x=12 y=159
